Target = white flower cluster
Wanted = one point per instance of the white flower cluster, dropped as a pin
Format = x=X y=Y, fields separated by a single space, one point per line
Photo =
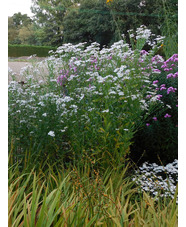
x=158 y=180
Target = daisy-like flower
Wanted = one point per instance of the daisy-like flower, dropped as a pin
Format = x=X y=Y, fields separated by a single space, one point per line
x=51 y=133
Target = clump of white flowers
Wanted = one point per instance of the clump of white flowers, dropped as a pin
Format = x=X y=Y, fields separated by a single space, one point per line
x=158 y=180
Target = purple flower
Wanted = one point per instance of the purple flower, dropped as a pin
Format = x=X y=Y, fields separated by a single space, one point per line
x=143 y=52
x=155 y=81
x=163 y=88
x=148 y=96
x=147 y=124
x=167 y=69
x=175 y=75
x=167 y=115
x=164 y=66
x=171 y=89
x=169 y=75
x=159 y=97
x=156 y=71
x=155 y=118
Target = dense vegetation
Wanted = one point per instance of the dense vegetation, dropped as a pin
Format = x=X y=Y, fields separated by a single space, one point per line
x=95 y=141
x=71 y=133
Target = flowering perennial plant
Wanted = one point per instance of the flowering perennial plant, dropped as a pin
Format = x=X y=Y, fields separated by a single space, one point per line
x=158 y=180
x=91 y=100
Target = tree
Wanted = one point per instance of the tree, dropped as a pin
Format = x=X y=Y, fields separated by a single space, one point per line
x=90 y=22
x=20 y=29
x=20 y=20
x=49 y=16
x=103 y=21
x=27 y=35
x=12 y=32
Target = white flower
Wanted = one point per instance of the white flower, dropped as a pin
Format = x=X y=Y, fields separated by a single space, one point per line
x=121 y=93
x=44 y=115
x=51 y=133
x=105 y=111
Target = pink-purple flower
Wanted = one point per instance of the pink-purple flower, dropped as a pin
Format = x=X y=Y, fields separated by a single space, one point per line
x=159 y=97
x=148 y=96
x=155 y=118
x=171 y=89
x=170 y=75
x=155 y=81
x=175 y=75
x=143 y=52
x=167 y=115
x=162 y=87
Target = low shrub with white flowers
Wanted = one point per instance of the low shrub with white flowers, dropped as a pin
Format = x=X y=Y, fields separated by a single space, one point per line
x=159 y=181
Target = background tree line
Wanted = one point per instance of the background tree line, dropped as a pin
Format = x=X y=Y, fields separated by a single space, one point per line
x=62 y=21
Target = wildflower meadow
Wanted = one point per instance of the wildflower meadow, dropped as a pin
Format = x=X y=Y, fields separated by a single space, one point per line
x=94 y=142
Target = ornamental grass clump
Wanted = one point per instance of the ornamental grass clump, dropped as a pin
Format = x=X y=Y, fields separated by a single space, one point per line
x=83 y=196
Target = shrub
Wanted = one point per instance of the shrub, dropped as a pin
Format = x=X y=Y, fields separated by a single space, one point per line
x=27 y=50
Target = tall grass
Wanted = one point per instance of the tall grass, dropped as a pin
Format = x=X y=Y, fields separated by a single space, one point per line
x=84 y=197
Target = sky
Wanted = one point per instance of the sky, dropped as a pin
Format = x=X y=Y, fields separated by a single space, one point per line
x=15 y=6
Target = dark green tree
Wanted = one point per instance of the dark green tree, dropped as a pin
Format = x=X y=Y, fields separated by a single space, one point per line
x=90 y=22
x=49 y=16
x=20 y=20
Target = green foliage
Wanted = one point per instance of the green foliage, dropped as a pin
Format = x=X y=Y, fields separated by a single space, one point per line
x=21 y=20
x=49 y=19
x=28 y=50
x=170 y=28
x=21 y=29
x=83 y=197
x=12 y=32
x=90 y=22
